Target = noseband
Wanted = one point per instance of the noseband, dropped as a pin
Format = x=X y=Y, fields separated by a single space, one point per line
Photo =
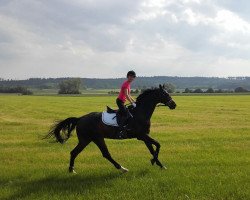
x=166 y=104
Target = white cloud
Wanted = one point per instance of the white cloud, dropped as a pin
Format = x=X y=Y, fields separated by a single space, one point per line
x=231 y=22
x=106 y=38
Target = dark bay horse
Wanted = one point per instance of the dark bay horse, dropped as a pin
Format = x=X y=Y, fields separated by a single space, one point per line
x=90 y=128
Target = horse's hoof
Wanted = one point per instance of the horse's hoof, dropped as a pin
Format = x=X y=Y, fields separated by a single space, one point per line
x=163 y=167
x=72 y=171
x=123 y=169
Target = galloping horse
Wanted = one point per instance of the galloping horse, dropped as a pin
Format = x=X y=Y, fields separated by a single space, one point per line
x=90 y=127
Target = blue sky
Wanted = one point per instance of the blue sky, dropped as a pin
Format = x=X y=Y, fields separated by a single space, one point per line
x=78 y=38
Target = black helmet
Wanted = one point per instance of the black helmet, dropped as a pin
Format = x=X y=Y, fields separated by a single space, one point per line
x=131 y=73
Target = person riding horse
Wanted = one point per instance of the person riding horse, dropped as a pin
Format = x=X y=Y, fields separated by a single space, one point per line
x=90 y=128
x=120 y=101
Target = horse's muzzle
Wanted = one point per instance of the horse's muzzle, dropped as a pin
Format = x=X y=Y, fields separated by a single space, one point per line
x=171 y=104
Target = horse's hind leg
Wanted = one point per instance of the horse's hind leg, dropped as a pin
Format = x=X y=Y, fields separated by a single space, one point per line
x=74 y=153
x=105 y=152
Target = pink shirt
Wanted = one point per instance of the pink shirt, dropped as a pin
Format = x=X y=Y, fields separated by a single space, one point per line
x=122 y=94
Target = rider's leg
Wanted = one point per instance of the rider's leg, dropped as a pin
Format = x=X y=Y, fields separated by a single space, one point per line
x=121 y=106
x=123 y=111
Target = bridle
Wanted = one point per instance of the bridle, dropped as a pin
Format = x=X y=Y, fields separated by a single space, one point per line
x=165 y=104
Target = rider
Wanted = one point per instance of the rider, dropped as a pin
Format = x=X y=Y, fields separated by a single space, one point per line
x=120 y=101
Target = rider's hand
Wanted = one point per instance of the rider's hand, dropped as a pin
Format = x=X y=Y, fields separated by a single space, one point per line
x=134 y=104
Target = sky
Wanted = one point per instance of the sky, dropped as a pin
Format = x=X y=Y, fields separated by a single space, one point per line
x=106 y=38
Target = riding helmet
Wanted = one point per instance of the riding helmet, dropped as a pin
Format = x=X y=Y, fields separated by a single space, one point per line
x=131 y=73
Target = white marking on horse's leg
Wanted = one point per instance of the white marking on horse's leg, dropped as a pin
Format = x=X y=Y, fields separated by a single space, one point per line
x=123 y=169
x=72 y=171
x=164 y=167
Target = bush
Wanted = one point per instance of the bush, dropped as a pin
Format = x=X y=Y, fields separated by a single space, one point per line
x=113 y=92
x=219 y=91
x=198 y=90
x=240 y=89
x=135 y=91
x=210 y=90
x=17 y=89
x=187 y=90
x=26 y=92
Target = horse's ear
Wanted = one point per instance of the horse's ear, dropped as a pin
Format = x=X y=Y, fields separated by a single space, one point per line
x=163 y=86
x=160 y=86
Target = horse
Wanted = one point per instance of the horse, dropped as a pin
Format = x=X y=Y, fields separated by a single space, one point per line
x=90 y=127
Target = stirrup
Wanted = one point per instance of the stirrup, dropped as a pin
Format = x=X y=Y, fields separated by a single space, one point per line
x=122 y=134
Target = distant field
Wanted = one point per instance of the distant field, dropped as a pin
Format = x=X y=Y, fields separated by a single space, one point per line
x=105 y=92
x=83 y=92
x=205 y=144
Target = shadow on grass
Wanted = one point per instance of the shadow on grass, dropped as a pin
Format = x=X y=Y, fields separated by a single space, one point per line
x=70 y=184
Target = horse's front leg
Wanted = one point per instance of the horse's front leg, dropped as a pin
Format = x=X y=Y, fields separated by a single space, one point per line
x=155 y=153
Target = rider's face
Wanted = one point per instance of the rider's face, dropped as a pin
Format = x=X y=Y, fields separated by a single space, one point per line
x=131 y=78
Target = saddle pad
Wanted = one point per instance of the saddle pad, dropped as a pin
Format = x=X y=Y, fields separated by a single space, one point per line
x=109 y=119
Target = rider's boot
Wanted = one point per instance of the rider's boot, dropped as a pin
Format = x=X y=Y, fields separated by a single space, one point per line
x=122 y=129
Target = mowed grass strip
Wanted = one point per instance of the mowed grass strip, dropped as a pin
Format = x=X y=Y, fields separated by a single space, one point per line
x=204 y=143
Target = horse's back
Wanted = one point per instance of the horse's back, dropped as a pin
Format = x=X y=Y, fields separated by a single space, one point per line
x=89 y=122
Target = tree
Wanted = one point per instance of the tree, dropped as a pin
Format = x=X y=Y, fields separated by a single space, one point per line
x=169 y=87
x=218 y=91
x=26 y=91
x=210 y=90
x=187 y=90
x=240 y=89
x=70 y=86
x=198 y=90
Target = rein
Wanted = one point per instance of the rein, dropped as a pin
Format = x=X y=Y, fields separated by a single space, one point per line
x=164 y=104
x=159 y=105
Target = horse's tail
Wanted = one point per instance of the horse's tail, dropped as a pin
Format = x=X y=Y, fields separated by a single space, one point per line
x=61 y=130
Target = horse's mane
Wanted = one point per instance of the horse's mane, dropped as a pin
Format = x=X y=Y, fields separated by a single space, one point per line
x=144 y=94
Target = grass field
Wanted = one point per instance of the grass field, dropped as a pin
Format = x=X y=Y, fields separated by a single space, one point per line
x=205 y=144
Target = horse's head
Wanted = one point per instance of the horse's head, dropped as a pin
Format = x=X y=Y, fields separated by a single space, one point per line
x=165 y=98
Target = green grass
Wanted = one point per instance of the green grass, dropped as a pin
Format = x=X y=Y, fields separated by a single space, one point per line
x=204 y=143
x=83 y=92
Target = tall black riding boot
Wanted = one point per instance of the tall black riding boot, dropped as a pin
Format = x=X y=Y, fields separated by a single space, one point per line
x=122 y=134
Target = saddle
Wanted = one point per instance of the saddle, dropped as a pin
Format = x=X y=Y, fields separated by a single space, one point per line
x=113 y=117
x=110 y=110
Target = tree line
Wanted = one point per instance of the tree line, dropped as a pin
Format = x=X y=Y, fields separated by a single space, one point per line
x=141 y=82
x=18 y=89
x=74 y=85
x=211 y=90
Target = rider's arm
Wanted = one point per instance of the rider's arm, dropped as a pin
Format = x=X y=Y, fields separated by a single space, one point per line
x=130 y=99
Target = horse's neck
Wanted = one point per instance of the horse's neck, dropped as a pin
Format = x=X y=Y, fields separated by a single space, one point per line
x=146 y=109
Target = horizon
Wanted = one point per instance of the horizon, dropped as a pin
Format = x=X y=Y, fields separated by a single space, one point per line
x=232 y=77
